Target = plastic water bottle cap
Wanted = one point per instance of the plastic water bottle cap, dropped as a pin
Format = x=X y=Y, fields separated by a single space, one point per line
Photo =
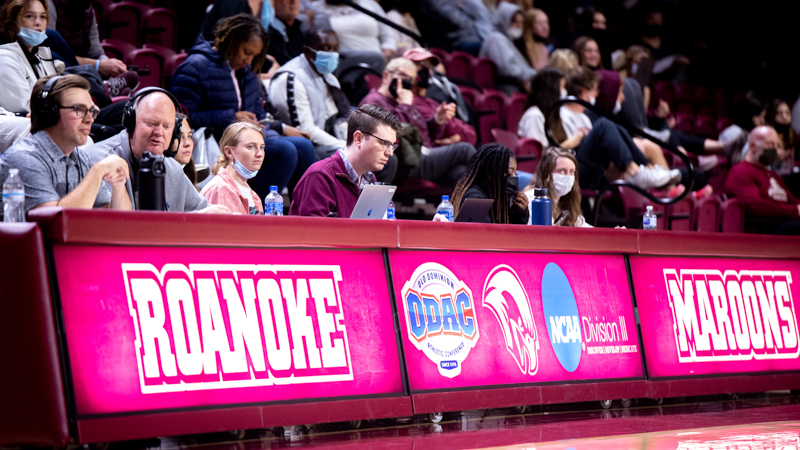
x=273 y=188
x=445 y=197
x=13 y=171
x=541 y=192
x=649 y=208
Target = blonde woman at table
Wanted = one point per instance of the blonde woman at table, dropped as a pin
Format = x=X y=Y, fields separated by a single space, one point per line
x=242 y=147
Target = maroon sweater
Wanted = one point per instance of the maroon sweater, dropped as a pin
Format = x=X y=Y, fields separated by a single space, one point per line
x=761 y=190
x=325 y=187
x=429 y=129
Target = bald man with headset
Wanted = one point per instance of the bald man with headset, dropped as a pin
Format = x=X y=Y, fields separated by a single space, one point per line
x=151 y=126
x=54 y=170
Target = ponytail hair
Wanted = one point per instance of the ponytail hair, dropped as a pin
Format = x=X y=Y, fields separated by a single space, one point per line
x=230 y=138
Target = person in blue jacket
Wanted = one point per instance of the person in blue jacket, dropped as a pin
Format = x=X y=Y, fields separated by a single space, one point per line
x=219 y=85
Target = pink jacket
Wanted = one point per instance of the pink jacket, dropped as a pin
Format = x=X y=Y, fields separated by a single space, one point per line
x=223 y=190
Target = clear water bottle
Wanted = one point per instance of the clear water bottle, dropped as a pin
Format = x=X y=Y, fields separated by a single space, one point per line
x=13 y=197
x=390 y=211
x=273 y=205
x=446 y=208
x=649 y=221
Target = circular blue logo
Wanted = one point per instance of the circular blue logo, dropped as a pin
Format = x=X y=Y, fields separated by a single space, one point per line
x=561 y=316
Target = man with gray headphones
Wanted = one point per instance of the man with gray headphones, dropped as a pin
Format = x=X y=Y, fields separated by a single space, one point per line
x=151 y=126
x=54 y=170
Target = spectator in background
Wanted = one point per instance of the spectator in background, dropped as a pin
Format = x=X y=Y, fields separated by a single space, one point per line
x=535 y=33
x=563 y=59
x=285 y=37
x=400 y=13
x=184 y=148
x=514 y=72
x=592 y=22
x=769 y=205
x=541 y=99
x=558 y=172
x=151 y=131
x=443 y=158
x=333 y=184
x=55 y=171
x=439 y=88
x=218 y=85
x=242 y=146
x=454 y=24
x=487 y=177
x=779 y=117
x=589 y=52
x=747 y=113
x=669 y=64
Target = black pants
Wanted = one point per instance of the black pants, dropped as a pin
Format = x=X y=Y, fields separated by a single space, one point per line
x=606 y=143
x=444 y=165
x=692 y=144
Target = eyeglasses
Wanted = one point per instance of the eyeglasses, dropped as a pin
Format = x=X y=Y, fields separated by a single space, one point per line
x=81 y=111
x=384 y=143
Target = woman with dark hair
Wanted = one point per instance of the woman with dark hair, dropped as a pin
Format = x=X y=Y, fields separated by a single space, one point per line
x=558 y=172
x=218 y=85
x=747 y=113
x=491 y=174
x=541 y=99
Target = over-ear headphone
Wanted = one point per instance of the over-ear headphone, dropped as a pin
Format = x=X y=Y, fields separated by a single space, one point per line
x=129 y=116
x=47 y=112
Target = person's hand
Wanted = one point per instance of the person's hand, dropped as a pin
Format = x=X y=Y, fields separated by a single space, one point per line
x=404 y=96
x=388 y=53
x=671 y=122
x=662 y=110
x=215 y=209
x=445 y=112
x=247 y=116
x=111 y=67
x=111 y=164
x=116 y=178
x=798 y=210
x=441 y=218
x=680 y=59
x=783 y=154
x=296 y=132
x=448 y=140
x=520 y=202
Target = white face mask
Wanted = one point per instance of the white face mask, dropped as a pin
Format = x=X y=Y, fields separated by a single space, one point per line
x=592 y=100
x=617 y=108
x=563 y=94
x=514 y=33
x=562 y=184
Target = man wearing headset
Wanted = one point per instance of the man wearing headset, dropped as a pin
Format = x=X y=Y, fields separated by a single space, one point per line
x=151 y=126
x=54 y=170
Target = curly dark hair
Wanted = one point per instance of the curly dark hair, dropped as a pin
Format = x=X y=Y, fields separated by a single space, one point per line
x=488 y=169
x=231 y=32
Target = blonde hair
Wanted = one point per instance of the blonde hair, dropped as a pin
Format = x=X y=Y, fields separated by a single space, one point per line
x=230 y=138
x=397 y=63
x=563 y=59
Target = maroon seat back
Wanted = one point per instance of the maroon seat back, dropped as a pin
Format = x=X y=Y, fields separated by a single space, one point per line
x=706 y=215
x=147 y=59
x=483 y=71
x=172 y=64
x=459 y=65
x=504 y=137
x=681 y=215
x=731 y=216
x=471 y=95
x=160 y=27
x=123 y=21
x=529 y=152
x=491 y=104
x=114 y=48
x=372 y=80
x=514 y=110
x=635 y=205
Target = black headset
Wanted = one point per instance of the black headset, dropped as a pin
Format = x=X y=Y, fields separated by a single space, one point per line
x=129 y=116
x=47 y=112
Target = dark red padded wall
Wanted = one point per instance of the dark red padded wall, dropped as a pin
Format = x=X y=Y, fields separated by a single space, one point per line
x=32 y=402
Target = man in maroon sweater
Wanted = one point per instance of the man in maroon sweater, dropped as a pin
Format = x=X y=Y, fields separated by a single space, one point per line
x=770 y=207
x=333 y=184
x=443 y=158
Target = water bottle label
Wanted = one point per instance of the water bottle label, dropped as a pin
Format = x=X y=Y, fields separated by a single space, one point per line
x=649 y=222
x=448 y=214
x=390 y=213
x=13 y=196
x=274 y=209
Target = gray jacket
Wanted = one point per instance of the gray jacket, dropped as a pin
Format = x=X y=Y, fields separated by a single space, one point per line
x=181 y=196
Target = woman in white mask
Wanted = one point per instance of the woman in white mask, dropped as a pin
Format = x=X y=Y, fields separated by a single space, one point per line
x=558 y=171
x=242 y=147
x=502 y=47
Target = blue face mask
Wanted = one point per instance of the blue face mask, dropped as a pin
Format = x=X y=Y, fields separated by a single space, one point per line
x=32 y=37
x=267 y=14
x=326 y=62
x=243 y=171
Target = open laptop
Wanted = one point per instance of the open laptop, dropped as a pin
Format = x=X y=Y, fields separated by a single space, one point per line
x=373 y=201
x=475 y=210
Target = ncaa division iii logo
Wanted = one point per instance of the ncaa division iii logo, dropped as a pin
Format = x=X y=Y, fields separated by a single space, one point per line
x=561 y=316
x=440 y=317
x=505 y=296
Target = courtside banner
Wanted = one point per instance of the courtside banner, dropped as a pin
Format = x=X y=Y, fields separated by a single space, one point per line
x=156 y=328
x=473 y=319
x=707 y=316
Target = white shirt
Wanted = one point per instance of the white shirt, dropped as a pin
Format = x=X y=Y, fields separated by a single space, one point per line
x=245 y=190
x=277 y=91
x=532 y=126
x=574 y=122
x=580 y=223
x=356 y=30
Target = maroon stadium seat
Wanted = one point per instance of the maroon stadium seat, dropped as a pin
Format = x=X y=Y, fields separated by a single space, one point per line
x=514 y=108
x=635 y=205
x=684 y=122
x=705 y=126
x=483 y=71
x=529 y=152
x=471 y=95
x=662 y=90
x=459 y=65
x=507 y=138
x=372 y=80
x=722 y=123
x=443 y=55
x=721 y=103
x=165 y=52
x=683 y=93
x=490 y=105
x=702 y=94
x=123 y=21
x=680 y=215
x=147 y=59
x=706 y=215
x=160 y=27
x=114 y=48
x=731 y=216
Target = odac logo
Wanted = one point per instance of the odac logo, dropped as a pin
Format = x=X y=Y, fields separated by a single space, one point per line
x=440 y=317
x=561 y=316
x=505 y=296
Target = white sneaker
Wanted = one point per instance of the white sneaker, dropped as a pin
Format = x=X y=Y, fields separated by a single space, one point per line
x=675 y=176
x=650 y=178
